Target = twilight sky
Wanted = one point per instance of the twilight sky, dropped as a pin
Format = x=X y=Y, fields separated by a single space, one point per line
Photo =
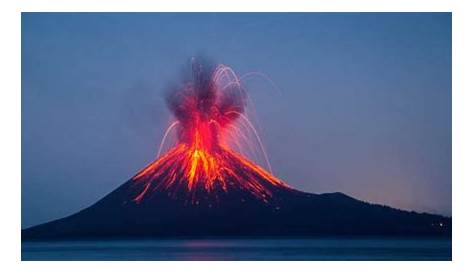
x=363 y=104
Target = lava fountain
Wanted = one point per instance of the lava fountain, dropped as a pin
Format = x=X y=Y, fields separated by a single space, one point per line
x=210 y=121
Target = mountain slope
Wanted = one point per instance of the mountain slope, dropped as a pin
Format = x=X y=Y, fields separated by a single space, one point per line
x=238 y=213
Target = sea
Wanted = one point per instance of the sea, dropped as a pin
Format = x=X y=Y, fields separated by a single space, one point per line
x=319 y=249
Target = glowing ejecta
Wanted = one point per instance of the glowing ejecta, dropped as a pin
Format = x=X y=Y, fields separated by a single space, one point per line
x=202 y=160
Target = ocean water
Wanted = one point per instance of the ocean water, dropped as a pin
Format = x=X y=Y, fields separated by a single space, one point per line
x=241 y=249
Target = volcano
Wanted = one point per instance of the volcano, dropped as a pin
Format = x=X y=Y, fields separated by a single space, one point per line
x=204 y=185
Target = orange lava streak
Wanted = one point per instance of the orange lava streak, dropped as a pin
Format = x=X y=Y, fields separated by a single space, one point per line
x=198 y=170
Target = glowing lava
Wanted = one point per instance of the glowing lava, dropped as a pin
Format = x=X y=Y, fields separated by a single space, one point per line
x=202 y=161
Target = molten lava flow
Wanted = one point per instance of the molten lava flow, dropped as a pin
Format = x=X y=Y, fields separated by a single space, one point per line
x=202 y=161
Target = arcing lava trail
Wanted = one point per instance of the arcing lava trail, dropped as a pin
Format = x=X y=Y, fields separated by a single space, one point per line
x=202 y=164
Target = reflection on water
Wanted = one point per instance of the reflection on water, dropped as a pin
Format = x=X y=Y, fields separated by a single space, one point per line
x=241 y=249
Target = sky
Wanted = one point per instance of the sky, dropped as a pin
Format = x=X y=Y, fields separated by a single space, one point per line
x=358 y=103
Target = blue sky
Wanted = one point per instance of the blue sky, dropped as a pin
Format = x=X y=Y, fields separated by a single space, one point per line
x=363 y=107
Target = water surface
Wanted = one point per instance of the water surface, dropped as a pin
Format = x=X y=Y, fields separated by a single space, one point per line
x=242 y=249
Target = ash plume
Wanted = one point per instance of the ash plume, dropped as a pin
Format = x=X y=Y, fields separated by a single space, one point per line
x=213 y=96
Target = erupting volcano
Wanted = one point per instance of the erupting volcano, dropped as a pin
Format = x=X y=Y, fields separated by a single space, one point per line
x=202 y=165
x=204 y=185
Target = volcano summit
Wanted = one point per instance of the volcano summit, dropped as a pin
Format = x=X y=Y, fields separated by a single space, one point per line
x=205 y=186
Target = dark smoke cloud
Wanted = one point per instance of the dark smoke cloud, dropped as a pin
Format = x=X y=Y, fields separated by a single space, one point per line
x=211 y=95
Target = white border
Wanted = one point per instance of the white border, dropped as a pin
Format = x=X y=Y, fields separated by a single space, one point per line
x=463 y=134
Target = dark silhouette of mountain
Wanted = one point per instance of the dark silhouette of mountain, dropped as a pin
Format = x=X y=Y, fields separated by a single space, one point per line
x=238 y=213
x=201 y=187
